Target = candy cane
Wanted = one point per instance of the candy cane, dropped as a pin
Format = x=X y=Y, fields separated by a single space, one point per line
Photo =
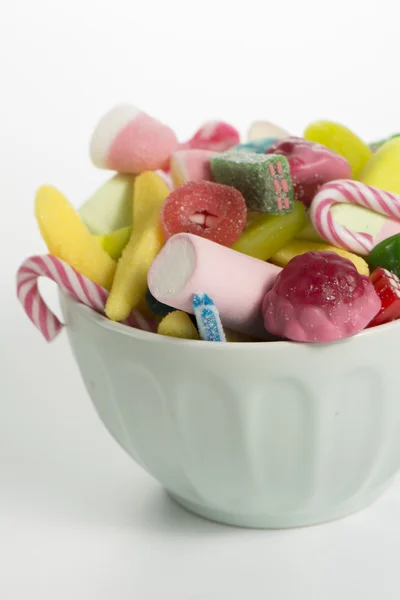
x=81 y=288
x=351 y=192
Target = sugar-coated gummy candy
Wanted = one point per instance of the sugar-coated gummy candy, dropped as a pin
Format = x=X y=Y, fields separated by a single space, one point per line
x=265 y=129
x=129 y=286
x=128 y=140
x=297 y=247
x=208 y=319
x=319 y=297
x=67 y=238
x=217 y=136
x=341 y=140
x=191 y=165
x=266 y=234
x=207 y=209
x=386 y=255
x=387 y=286
x=237 y=283
x=110 y=207
x=257 y=146
x=264 y=180
x=178 y=324
x=311 y=165
x=383 y=168
x=114 y=242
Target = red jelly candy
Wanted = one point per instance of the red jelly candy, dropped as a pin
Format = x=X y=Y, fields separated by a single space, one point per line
x=311 y=165
x=319 y=297
x=214 y=135
x=210 y=210
x=387 y=286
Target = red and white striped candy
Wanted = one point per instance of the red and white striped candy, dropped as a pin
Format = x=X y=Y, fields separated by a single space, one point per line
x=81 y=288
x=353 y=192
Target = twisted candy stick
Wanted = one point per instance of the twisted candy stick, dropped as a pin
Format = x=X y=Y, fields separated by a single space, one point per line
x=351 y=192
x=208 y=319
x=81 y=288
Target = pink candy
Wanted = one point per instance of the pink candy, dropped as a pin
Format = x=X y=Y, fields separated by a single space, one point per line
x=191 y=165
x=214 y=135
x=128 y=140
x=311 y=165
x=319 y=297
x=237 y=283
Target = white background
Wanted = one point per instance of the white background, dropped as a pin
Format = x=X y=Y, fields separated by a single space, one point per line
x=78 y=519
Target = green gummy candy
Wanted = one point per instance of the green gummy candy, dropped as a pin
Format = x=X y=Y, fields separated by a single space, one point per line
x=110 y=207
x=263 y=179
x=386 y=254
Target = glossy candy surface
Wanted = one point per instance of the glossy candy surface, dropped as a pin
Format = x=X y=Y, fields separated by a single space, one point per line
x=311 y=165
x=342 y=141
x=319 y=297
x=387 y=286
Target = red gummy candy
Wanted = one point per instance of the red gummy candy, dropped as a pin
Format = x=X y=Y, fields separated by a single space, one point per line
x=319 y=297
x=210 y=210
x=387 y=286
x=214 y=135
x=311 y=165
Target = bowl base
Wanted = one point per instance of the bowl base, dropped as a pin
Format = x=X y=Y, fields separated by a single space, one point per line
x=288 y=521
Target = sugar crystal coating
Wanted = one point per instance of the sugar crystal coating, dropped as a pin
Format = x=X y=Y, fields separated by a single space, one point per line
x=263 y=180
x=207 y=209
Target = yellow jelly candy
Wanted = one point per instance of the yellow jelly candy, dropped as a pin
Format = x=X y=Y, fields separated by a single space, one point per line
x=341 y=140
x=178 y=324
x=68 y=238
x=130 y=282
x=296 y=247
x=114 y=242
x=383 y=168
x=266 y=233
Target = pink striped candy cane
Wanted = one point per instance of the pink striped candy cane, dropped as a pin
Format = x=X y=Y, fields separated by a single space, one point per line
x=351 y=192
x=80 y=287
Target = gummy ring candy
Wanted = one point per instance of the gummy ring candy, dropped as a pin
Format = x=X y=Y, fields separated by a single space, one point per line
x=210 y=210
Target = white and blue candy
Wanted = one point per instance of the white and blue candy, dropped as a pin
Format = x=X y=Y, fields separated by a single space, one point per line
x=207 y=318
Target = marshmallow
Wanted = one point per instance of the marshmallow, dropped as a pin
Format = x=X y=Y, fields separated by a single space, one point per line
x=237 y=283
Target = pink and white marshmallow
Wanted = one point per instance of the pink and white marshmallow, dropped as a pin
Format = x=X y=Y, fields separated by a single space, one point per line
x=237 y=283
x=128 y=140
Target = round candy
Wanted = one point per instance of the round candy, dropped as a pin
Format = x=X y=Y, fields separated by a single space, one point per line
x=211 y=210
x=311 y=165
x=319 y=297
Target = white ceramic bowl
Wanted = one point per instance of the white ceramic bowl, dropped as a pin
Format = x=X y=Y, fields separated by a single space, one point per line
x=259 y=435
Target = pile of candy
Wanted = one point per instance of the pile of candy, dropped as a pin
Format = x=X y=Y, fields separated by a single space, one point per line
x=221 y=241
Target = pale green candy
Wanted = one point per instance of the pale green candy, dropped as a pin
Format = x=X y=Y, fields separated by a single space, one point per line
x=110 y=207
